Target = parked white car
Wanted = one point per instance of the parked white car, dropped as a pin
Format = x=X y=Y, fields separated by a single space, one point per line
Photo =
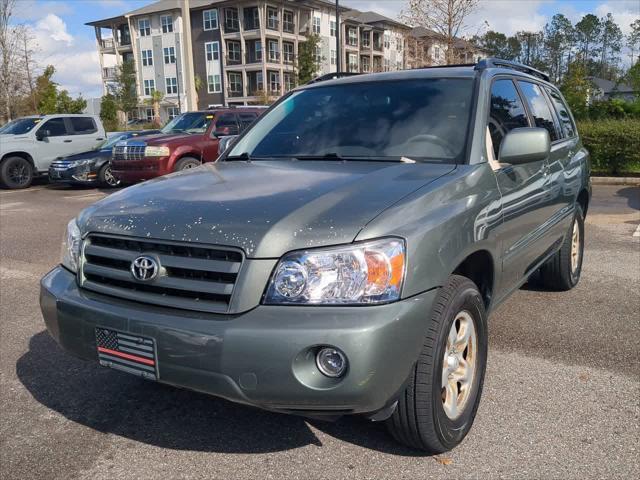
x=28 y=145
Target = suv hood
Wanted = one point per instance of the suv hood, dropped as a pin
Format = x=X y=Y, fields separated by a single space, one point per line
x=163 y=138
x=264 y=208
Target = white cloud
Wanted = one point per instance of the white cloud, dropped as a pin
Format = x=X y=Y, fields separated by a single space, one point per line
x=75 y=59
x=624 y=13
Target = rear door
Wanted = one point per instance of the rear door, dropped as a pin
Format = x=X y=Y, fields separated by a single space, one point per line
x=246 y=119
x=226 y=123
x=56 y=144
x=522 y=187
x=86 y=134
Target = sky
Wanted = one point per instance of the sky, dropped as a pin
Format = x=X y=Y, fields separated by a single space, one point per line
x=66 y=42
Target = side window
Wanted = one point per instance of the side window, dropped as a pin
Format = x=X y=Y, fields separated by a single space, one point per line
x=246 y=119
x=83 y=125
x=563 y=113
x=228 y=123
x=56 y=127
x=540 y=109
x=507 y=112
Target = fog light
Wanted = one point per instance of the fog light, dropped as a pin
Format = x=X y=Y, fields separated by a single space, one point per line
x=331 y=362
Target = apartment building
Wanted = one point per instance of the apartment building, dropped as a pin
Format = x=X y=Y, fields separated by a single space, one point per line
x=426 y=48
x=206 y=53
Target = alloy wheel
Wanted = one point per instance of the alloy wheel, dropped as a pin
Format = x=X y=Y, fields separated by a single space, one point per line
x=459 y=365
x=18 y=173
x=575 y=247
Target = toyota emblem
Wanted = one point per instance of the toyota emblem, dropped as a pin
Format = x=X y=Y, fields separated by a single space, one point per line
x=145 y=268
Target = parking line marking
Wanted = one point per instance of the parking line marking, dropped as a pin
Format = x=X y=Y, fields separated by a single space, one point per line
x=637 y=232
x=25 y=190
x=96 y=194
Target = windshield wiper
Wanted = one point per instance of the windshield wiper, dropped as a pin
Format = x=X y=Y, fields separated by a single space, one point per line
x=336 y=157
x=243 y=157
x=326 y=156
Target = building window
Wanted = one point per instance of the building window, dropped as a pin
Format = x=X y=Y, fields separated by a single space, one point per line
x=251 y=18
x=233 y=49
x=173 y=112
x=231 y=21
x=316 y=25
x=235 y=82
x=386 y=65
x=210 y=19
x=436 y=53
x=259 y=81
x=212 y=50
x=147 y=58
x=170 y=55
x=398 y=45
x=289 y=82
x=274 y=82
x=272 y=18
x=353 y=37
x=172 y=85
x=318 y=55
x=353 y=62
x=213 y=84
x=333 y=57
x=332 y=28
x=144 y=27
x=387 y=40
x=274 y=51
x=167 y=23
x=365 y=39
x=148 y=114
x=149 y=87
x=288 y=25
x=258 y=50
x=365 y=64
x=287 y=52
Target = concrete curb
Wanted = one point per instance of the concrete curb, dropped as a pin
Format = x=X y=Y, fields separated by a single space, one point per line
x=615 y=181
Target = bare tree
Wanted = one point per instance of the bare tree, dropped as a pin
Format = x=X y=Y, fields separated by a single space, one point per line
x=445 y=17
x=29 y=66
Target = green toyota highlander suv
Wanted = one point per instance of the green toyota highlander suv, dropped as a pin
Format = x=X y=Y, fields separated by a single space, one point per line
x=343 y=254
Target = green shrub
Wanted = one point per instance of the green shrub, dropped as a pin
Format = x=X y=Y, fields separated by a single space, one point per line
x=614 y=145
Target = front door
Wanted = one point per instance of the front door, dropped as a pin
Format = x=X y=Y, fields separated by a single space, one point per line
x=523 y=189
x=86 y=134
x=56 y=144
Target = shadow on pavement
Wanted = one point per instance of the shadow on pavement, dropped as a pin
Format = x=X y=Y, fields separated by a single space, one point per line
x=113 y=402
x=632 y=194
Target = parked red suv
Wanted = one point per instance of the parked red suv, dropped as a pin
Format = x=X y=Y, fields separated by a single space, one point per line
x=185 y=142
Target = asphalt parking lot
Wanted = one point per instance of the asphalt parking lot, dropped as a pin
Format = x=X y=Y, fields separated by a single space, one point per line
x=561 y=398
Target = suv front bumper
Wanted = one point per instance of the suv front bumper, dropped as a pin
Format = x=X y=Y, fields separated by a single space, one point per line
x=260 y=357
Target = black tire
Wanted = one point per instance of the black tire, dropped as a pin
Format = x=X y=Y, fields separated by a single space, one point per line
x=558 y=273
x=420 y=420
x=16 y=173
x=106 y=179
x=186 y=163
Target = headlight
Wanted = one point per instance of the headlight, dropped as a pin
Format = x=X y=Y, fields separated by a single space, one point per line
x=71 y=246
x=361 y=273
x=79 y=163
x=156 y=152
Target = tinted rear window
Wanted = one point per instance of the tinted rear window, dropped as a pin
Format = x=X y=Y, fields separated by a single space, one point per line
x=563 y=113
x=425 y=119
x=540 y=108
x=83 y=125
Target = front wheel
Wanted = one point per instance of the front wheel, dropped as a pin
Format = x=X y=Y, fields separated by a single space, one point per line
x=186 y=163
x=106 y=177
x=15 y=173
x=437 y=409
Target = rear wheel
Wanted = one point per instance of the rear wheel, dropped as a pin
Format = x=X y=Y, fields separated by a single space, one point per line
x=438 y=407
x=186 y=163
x=106 y=177
x=562 y=271
x=16 y=172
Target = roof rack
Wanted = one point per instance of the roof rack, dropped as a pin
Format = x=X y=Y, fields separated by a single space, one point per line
x=331 y=76
x=498 y=62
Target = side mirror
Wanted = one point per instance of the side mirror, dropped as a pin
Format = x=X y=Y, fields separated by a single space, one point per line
x=42 y=134
x=225 y=143
x=525 y=145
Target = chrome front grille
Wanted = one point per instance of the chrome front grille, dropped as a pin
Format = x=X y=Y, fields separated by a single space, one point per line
x=191 y=277
x=128 y=152
x=60 y=164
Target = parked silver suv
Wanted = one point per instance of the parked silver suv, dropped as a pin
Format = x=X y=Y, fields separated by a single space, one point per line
x=343 y=255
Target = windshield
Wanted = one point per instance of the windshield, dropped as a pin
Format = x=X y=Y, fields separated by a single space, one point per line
x=194 y=122
x=422 y=120
x=20 y=126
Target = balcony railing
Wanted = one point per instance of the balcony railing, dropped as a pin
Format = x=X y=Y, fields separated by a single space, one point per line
x=272 y=24
x=107 y=43
x=250 y=24
x=288 y=27
x=231 y=26
x=234 y=93
x=274 y=57
x=234 y=60
x=109 y=73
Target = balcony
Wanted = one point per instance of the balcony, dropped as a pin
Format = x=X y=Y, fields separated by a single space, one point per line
x=109 y=73
x=234 y=59
x=234 y=93
x=107 y=44
x=288 y=27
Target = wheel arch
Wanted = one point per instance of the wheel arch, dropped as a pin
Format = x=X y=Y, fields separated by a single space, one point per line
x=479 y=267
x=24 y=155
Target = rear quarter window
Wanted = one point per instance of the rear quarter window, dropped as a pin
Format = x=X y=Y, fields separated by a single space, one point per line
x=563 y=113
x=83 y=125
x=540 y=109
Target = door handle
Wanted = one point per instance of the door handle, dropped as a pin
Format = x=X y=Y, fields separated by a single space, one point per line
x=99 y=139
x=68 y=141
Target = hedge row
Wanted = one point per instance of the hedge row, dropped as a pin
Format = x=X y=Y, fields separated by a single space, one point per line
x=614 y=145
